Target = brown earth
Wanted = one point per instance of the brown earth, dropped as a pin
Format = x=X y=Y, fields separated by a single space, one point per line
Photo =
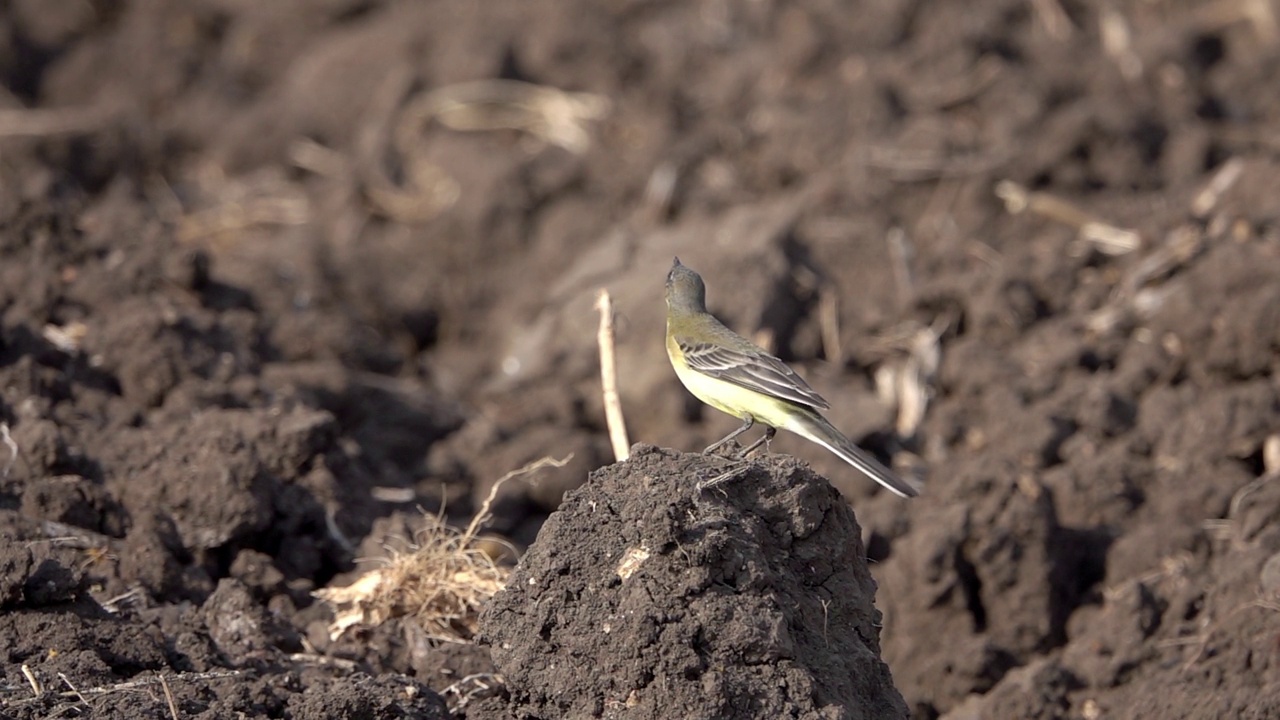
x=255 y=311
x=747 y=600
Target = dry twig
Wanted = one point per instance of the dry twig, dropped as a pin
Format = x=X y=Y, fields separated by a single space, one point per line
x=555 y=116
x=168 y=697
x=829 y=324
x=66 y=338
x=900 y=257
x=83 y=696
x=237 y=216
x=550 y=114
x=909 y=384
x=1109 y=238
x=36 y=687
x=67 y=681
x=1222 y=181
x=609 y=379
x=1228 y=527
x=472 y=687
x=7 y=439
x=313 y=658
x=1117 y=42
x=1139 y=295
x=224 y=208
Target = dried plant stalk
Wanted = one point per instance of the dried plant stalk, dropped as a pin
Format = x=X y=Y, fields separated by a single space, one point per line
x=441 y=582
x=609 y=380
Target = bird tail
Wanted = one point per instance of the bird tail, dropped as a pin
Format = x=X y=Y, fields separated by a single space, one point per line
x=813 y=426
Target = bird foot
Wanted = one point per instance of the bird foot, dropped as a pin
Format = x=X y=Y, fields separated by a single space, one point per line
x=733 y=473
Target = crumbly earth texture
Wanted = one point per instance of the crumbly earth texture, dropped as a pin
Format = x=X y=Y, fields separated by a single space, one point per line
x=264 y=299
x=646 y=597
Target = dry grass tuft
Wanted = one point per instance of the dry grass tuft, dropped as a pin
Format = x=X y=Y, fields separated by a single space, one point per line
x=440 y=582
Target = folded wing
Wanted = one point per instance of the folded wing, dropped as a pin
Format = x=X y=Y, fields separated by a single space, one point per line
x=751 y=369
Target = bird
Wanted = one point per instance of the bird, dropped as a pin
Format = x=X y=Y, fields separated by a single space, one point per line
x=733 y=375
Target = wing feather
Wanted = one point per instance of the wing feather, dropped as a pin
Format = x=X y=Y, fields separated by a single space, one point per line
x=752 y=369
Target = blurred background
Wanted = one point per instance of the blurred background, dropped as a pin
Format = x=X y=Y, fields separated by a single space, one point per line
x=275 y=275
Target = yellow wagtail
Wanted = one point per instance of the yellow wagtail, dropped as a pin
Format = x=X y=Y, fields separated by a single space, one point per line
x=729 y=373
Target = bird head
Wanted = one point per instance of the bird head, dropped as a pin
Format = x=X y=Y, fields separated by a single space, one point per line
x=685 y=289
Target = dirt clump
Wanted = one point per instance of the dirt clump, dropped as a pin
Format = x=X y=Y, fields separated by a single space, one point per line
x=645 y=597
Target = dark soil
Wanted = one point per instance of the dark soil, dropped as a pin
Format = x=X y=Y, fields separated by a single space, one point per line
x=245 y=336
x=751 y=599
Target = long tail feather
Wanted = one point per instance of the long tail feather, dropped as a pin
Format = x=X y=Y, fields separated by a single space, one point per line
x=816 y=428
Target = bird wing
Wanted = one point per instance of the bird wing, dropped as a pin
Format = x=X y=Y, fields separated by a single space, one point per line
x=752 y=369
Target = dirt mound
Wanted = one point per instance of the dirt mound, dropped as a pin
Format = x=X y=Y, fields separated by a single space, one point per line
x=645 y=597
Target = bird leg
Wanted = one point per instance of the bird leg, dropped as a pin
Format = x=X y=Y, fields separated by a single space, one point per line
x=733 y=473
x=747 y=422
x=769 y=432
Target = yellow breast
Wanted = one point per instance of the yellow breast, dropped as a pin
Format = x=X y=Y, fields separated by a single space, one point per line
x=725 y=396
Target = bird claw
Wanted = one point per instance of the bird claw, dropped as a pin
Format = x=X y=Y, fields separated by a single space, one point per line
x=725 y=477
